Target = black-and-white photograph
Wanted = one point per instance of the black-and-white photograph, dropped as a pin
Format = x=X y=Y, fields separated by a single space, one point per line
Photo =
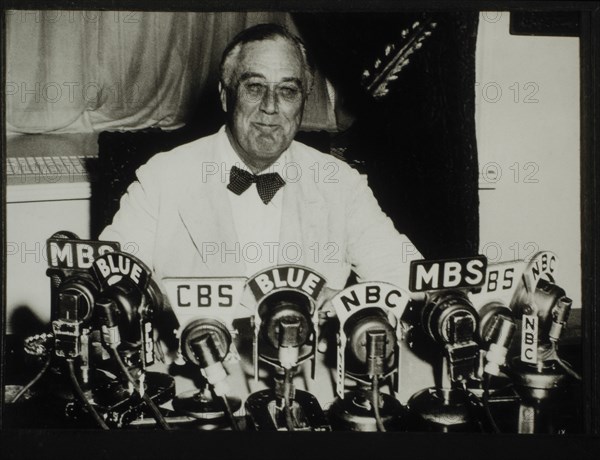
x=309 y=221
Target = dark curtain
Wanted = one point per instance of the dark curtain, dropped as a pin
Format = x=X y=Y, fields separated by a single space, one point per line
x=417 y=144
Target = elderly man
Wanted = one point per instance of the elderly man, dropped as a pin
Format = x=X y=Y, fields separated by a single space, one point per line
x=249 y=196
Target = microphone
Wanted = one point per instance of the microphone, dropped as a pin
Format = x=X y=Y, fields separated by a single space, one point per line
x=541 y=307
x=539 y=372
x=496 y=331
x=75 y=304
x=126 y=304
x=204 y=309
x=369 y=354
x=285 y=325
x=370 y=343
x=205 y=342
x=449 y=319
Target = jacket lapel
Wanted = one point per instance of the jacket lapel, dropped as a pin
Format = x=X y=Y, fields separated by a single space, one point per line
x=303 y=220
x=206 y=215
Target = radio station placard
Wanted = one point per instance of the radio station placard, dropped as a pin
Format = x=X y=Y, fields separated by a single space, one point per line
x=77 y=254
x=430 y=275
x=501 y=282
x=542 y=265
x=529 y=339
x=293 y=277
x=504 y=280
x=385 y=296
x=112 y=266
x=191 y=298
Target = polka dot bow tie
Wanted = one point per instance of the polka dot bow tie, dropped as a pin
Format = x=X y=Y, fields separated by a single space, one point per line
x=266 y=184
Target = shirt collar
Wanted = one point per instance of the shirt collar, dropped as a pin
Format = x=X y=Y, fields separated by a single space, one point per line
x=230 y=158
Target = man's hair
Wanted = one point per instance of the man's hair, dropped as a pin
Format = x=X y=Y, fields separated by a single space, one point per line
x=259 y=33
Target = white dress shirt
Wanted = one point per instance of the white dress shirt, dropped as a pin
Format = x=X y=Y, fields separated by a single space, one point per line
x=257 y=224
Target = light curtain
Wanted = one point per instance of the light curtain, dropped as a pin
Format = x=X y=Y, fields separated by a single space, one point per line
x=85 y=71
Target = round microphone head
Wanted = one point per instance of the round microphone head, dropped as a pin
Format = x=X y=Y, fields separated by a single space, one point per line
x=357 y=328
x=285 y=319
x=127 y=299
x=196 y=346
x=487 y=318
x=449 y=317
x=545 y=298
x=78 y=294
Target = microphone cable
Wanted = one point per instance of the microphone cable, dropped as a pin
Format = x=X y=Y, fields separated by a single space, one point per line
x=83 y=398
x=486 y=403
x=375 y=401
x=564 y=365
x=287 y=409
x=32 y=381
x=229 y=412
x=153 y=408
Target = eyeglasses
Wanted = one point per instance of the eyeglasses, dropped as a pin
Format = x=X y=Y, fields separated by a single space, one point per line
x=254 y=91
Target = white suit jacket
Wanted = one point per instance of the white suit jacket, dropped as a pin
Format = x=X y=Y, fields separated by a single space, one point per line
x=177 y=212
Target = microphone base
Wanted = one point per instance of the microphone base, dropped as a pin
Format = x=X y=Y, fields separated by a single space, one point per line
x=263 y=414
x=430 y=411
x=535 y=385
x=119 y=408
x=202 y=405
x=353 y=413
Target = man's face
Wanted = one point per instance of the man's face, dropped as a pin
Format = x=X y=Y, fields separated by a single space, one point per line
x=265 y=102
